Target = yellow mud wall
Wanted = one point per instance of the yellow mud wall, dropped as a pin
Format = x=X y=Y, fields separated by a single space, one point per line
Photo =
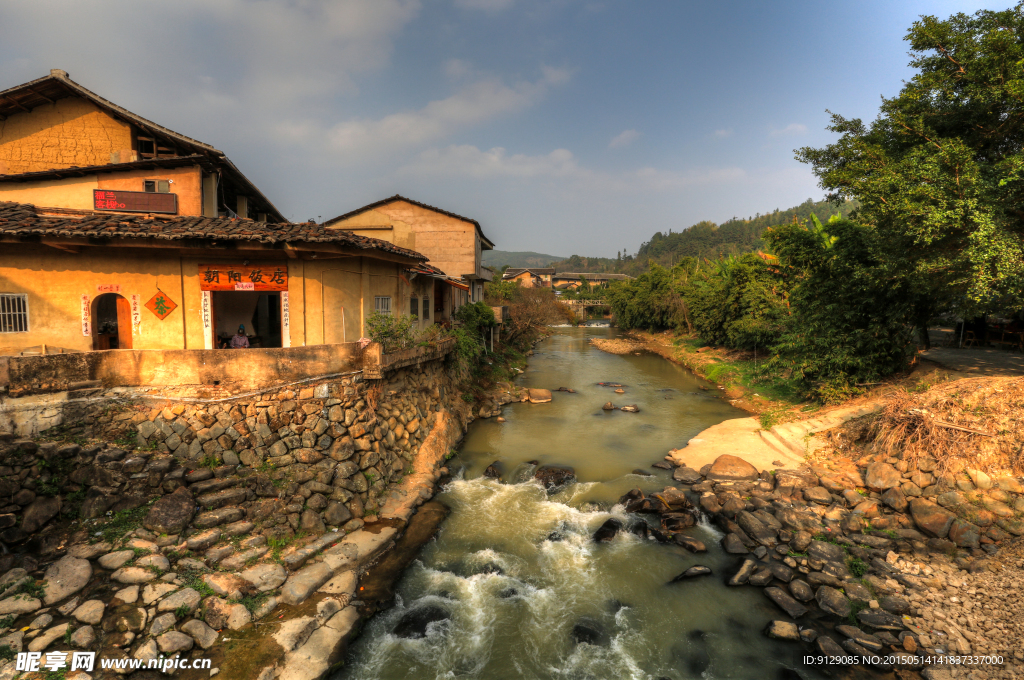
x=451 y=244
x=55 y=282
x=70 y=132
x=76 y=192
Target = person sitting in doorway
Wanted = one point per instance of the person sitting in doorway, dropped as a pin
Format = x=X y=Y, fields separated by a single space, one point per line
x=240 y=340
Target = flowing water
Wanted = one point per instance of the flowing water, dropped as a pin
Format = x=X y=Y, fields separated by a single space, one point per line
x=516 y=569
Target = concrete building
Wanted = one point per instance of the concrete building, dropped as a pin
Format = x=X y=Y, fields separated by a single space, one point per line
x=102 y=281
x=65 y=149
x=452 y=243
x=564 y=280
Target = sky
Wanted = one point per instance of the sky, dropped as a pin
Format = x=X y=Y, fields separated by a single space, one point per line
x=562 y=126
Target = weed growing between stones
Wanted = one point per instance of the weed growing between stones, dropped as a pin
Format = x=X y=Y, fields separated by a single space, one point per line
x=194 y=579
x=122 y=522
x=7 y=653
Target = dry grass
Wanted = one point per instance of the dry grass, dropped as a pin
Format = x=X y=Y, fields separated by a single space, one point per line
x=971 y=423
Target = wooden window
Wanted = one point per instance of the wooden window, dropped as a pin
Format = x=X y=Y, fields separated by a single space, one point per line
x=426 y=308
x=13 y=313
x=414 y=307
x=157 y=186
x=382 y=304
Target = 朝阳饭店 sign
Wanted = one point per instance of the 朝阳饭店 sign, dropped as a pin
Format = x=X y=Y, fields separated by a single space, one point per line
x=243 y=277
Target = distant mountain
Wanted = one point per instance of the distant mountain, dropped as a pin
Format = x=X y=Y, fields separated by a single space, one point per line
x=499 y=258
x=704 y=239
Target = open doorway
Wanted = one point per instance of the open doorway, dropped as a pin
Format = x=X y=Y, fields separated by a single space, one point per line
x=259 y=313
x=112 y=322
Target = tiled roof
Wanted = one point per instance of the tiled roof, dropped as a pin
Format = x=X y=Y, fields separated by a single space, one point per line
x=397 y=197
x=593 y=276
x=22 y=219
x=536 y=271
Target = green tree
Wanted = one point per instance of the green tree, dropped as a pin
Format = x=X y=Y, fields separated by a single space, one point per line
x=940 y=173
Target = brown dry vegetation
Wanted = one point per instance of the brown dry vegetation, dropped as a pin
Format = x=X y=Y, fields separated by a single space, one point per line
x=970 y=423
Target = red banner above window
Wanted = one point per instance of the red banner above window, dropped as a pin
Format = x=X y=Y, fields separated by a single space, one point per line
x=135 y=201
x=243 y=277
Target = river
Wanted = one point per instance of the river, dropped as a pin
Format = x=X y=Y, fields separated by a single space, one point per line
x=516 y=570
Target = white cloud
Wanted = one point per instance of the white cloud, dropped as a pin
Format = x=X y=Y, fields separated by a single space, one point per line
x=791 y=129
x=488 y=5
x=727 y=132
x=469 y=161
x=471 y=105
x=457 y=69
x=623 y=139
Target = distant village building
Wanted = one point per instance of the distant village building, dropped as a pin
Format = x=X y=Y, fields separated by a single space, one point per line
x=452 y=243
x=564 y=280
x=533 y=277
x=119 y=233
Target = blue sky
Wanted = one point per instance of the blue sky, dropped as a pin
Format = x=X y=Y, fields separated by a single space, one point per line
x=563 y=126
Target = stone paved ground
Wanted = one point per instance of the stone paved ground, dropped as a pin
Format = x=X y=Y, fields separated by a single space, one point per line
x=978 y=360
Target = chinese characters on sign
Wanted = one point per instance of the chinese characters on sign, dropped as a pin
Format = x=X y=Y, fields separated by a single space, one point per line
x=136 y=314
x=31 y=661
x=135 y=201
x=161 y=305
x=86 y=321
x=108 y=288
x=286 y=328
x=243 y=277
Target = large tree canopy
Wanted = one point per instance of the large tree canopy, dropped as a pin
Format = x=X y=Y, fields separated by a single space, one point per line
x=940 y=173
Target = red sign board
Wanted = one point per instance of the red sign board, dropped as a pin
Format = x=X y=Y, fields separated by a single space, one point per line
x=161 y=305
x=243 y=277
x=135 y=201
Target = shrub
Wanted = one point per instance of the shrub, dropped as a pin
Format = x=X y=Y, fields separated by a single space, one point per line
x=392 y=332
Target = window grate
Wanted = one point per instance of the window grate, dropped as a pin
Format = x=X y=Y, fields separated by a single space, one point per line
x=414 y=307
x=13 y=313
x=426 y=308
x=382 y=304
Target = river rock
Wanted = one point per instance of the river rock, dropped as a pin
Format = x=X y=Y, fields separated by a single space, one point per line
x=692 y=572
x=686 y=475
x=830 y=648
x=931 y=519
x=785 y=602
x=19 y=605
x=882 y=476
x=728 y=468
x=43 y=641
x=302 y=583
x=204 y=636
x=66 y=577
x=186 y=598
x=631 y=408
x=171 y=513
x=539 y=396
x=733 y=545
x=800 y=590
x=607 y=531
x=116 y=560
x=132 y=575
x=588 y=631
x=41 y=511
x=783 y=630
x=265 y=577
x=493 y=470
x=826 y=552
x=895 y=499
x=90 y=612
x=964 y=534
x=83 y=637
x=881 y=619
x=744 y=573
x=414 y=623
x=690 y=543
x=609 y=406
x=833 y=601
x=554 y=477
x=172 y=642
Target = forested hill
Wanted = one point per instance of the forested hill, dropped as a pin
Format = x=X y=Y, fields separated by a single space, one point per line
x=499 y=258
x=704 y=239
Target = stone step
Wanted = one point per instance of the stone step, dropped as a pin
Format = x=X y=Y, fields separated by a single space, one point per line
x=774 y=441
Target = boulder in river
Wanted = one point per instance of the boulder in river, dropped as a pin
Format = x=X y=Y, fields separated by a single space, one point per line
x=632 y=408
x=690 y=543
x=539 y=396
x=733 y=545
x=785 y=602
x=692 y=572
x=414 y=623
x=686 y=475
x=609 y=406
x=744 y=573
x=493 y=470
x=554 y=477
x=662 y=465
x=728 y=468
x=607 y=531
x=588 y=631
x=641 y=473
